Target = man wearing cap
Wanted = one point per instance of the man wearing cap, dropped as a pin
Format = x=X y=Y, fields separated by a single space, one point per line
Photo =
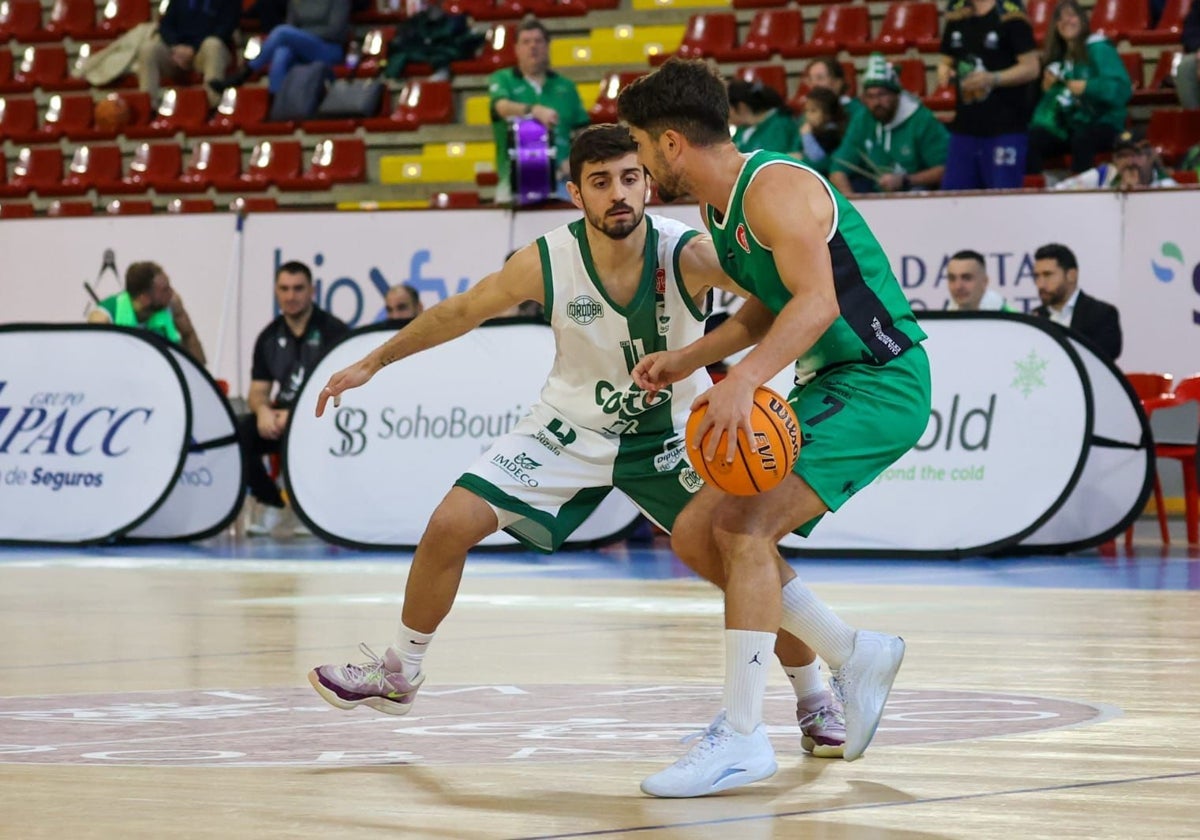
x=896 y=145
x=1134 y=166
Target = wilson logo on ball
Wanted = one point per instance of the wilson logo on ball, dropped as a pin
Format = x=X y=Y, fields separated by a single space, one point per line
x=758 y=465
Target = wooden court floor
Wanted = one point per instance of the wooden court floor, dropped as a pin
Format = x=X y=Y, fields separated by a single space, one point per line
x=160 y=692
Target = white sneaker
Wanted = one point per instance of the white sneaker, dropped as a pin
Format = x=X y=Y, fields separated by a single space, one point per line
x=263 y=519
x=863 y=684
x=722 y=758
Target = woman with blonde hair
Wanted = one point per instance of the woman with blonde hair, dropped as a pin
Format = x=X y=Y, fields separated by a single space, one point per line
x=1085 y=88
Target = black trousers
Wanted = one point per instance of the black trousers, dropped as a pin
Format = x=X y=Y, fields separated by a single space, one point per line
x=1083 y=145
x=254 y=449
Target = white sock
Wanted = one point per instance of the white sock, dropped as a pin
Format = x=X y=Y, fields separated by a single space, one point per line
x=808 y=618
x=747 y=655
x=805 y=679
x=411 y=647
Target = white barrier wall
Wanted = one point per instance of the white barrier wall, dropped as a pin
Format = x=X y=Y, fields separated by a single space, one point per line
x=1138 y=251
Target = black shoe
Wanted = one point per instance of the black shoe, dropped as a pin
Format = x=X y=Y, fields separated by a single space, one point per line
x=236 y=80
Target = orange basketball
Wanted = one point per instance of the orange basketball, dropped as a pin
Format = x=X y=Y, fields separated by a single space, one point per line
x=111 y=113
x=758 y=466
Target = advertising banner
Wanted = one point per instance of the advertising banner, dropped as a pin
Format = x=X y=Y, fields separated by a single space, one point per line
x=208 y=492
x=371 y=472
x=1004 y=446
x=94 y=422
x=1118 y=473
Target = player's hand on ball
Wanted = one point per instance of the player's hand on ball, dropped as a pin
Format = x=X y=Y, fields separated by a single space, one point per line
x=658 y=370
x=357 y=374
x=728 y=412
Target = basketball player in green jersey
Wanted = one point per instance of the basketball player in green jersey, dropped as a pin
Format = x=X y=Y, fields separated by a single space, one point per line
x=616 y=284
x=821 y=297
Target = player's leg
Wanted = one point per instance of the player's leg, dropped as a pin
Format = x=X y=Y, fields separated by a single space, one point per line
x=389 y=683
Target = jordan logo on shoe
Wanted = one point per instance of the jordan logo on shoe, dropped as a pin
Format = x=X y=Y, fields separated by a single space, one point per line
x=755 y=660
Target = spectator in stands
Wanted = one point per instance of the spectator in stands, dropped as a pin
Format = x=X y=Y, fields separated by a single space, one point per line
x=1134 y=166
x=967 y=282
x=898 y=145
x=828 y=73
x=532 y=89
x=149 y=302
x=285 y=353
x=1187 y=74
x=1056 y=273
x=191 y=37
x=316 y=30
x=431 y=36
x=760 y=118
x=822 y=129
x=989 y=52
x=1085 y=88
x=403 y=303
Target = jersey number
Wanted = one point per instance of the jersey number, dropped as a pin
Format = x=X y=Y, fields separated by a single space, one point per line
x=633 y=350
x=835 y=405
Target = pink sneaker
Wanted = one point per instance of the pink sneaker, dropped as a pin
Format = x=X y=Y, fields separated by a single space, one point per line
x=378 y=684
x=822 y=725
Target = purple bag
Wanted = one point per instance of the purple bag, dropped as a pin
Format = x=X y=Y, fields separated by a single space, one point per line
x=532 y=167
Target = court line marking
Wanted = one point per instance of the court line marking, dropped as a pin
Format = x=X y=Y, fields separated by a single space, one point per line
x=863 y=806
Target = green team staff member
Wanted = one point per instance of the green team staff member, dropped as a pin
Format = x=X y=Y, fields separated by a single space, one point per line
x=150 y=303
x=532 y=89
x=896 y=145
x=821 y=297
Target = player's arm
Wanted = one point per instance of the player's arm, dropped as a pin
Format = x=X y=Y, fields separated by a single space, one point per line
x=518 y=281
x=782 y=208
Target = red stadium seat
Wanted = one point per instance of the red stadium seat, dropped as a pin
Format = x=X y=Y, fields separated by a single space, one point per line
x=419 y=102
x=611 y=84
x=183 y=109
x=455 y=200
x=7 y=85
x=1169 y=28
x=45 y=66
x=92 y=167
x=19 y=120
x=499 y=50
x=342 y=160
x=1117 y=18
x=16 y=210
x=129 y=207
x=759 y=4
x=121 y=15
x=1040 y=14
x=942 y=98
x=253 y=204
x=73 y=19
x=37 y=168
x=904 y=25
x=913 y=77
x=21 y=20
x=244 y=108
x=70 y=208
x=557 y=8
x=69 y=115
x=772 y=32
x=1136 y=68
x=208 y=163
x=191 y=205
x=1172 y=131
x=497 y=10
x=139 y=117
x=375 y=51
x=837 y=28
x=772 y=75
x=153 y=165
x=270 y=162
x=707 y=34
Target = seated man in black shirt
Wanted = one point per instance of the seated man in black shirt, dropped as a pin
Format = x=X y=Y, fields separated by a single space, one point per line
x=285 y=353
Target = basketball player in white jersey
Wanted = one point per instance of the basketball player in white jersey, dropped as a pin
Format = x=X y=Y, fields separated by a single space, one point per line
x=616 y=285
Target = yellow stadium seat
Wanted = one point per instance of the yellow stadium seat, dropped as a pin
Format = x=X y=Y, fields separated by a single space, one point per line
x=410 y=169
x=479 y=110
x=458 y=150
x=570 y=52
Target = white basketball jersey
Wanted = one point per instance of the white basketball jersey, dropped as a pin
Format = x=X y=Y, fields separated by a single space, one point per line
x=598 y=343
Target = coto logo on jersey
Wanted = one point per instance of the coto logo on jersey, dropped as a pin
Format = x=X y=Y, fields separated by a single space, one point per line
x=742 y=239
x=583 y=310
x=660 y=281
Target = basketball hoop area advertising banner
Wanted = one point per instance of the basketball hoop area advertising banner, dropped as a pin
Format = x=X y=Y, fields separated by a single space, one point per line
x=93 y=426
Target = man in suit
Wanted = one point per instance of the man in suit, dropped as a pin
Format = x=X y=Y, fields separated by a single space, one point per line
x=1056 y=273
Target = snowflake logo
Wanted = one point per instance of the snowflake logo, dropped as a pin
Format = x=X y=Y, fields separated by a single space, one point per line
x=1029 y=375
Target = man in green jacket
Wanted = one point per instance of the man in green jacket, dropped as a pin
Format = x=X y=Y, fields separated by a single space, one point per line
x=532 y=89
x=897 y=145
x=150 y=303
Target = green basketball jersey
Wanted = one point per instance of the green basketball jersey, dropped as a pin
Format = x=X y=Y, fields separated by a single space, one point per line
x=876 y=323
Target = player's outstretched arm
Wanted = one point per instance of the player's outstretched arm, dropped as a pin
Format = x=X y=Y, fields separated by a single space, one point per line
x=518 y=281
